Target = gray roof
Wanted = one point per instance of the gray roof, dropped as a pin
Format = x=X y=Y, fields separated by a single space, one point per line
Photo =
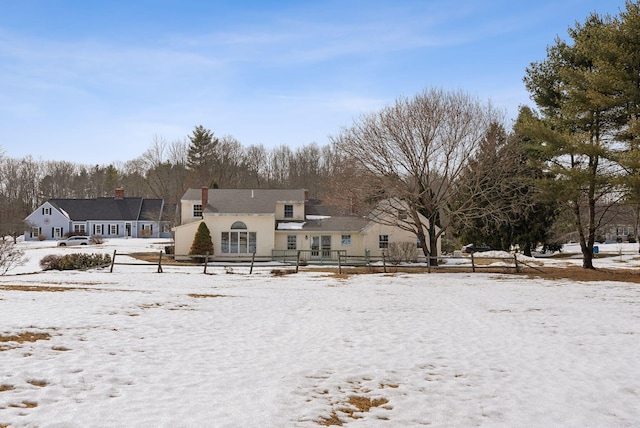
x=127 y=209
x=245 y=201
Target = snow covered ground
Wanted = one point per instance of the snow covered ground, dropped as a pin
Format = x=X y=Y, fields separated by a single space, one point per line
x=181 y=349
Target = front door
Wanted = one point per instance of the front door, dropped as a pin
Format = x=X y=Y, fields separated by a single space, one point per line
x=315 y=247
x=321 y=247
x=325 y=242
x=127 y=230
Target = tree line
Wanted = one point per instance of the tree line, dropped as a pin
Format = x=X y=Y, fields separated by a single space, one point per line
x=165 y=170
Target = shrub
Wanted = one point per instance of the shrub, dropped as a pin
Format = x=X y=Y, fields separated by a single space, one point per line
x=41 y=237
x=97 y=239
x=50 y=262
x=74 y=261
x=202 y=243
x=402 y=252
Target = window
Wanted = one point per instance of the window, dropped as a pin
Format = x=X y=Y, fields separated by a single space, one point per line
x=147 y=230
x=288 y=211
x=57 y=232
x=113 y=229
x=35 y=231
x=383 y=242
x=292 y=243
x=97 y=229
x=197 y=210
x=402 y=214
x=79 y=228
x=346 y=240
x=236 y=242
x=46 y=211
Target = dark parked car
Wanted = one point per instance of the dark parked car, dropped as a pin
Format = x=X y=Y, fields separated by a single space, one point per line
x=471 y=248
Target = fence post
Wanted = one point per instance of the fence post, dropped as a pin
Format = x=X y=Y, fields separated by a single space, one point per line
x=473 y=263
x=160 y=262
x=384 y=262
x=429 y=263
x=206 y=261
x=515 y=259
x=253 y=257
x=113 y=260
x=339 y=263
x=297 y=261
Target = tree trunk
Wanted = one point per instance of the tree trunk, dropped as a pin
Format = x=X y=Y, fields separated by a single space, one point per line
x=587 y=253
x=433 y=245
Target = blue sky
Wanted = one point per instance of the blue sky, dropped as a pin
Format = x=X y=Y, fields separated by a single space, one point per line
x=95 y=82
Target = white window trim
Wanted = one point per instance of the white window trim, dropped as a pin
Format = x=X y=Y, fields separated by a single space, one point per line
x=286 y=211
x=292 y=243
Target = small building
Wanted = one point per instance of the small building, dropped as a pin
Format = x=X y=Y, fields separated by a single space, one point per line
x=275 y=224
x=118 y=216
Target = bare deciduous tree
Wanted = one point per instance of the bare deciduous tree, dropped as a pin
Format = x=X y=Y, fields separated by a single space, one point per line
x=11 y=256
x=414 y=151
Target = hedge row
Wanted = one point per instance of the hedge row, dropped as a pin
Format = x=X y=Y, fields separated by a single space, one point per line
x=74 y=261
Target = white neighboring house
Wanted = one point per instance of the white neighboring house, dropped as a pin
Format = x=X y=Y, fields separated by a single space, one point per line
x=274 y=223
x=109 y=217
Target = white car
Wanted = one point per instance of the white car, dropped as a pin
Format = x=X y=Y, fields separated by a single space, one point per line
x=75 y=240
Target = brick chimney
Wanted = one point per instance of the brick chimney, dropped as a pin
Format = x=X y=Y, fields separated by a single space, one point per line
x=205 y=198
x=119 y=193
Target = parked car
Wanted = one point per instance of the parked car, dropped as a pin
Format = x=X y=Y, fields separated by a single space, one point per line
x=471 y=248
x=75 y=240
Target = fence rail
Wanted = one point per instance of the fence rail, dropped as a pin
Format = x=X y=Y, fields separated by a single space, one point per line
x=301 y=258
x=115 y=253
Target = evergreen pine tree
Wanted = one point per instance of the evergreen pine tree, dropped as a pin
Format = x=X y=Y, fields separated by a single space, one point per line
x=202 y=243
x=201 y=149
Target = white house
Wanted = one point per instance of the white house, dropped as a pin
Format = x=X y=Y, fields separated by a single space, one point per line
x=274 y=223
x=109 y=217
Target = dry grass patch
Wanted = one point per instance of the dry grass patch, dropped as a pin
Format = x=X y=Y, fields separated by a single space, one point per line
x=40 y=288
x=574 y=273
x=27 y=336
x=282 y=272
x=5 y=387
x=355 y=405
x=204 y=296
x=38 y=382
x=61 y=348
x=26 y=404
x=577 y=273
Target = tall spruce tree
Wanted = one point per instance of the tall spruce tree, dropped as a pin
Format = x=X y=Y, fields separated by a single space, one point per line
x=201 y=156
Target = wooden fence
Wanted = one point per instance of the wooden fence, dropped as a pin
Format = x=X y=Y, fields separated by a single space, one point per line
x=300 y=258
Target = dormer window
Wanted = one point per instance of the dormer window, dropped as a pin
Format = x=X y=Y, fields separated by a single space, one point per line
x=197 y=210
x=402 y=214
x=46 y=211
x=288 y=211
